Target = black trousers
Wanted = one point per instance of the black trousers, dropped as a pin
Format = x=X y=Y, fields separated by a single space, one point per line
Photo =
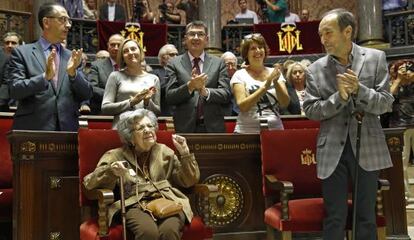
x=335 y=194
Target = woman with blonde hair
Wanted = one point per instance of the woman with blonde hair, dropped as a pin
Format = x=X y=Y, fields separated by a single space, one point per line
x=259 y=91
x=131 y=87
x=296 y=80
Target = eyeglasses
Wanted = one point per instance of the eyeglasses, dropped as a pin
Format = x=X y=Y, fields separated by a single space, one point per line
x=253 y=36
x=62 y=19
x=141 y=128
x=173 y=54
x=193 y=34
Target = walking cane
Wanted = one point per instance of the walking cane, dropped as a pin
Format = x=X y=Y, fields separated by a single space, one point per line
x=359 y=116
x=123 y=214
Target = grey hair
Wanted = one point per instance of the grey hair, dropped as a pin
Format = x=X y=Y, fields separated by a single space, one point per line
x=196 y=23
x=229 y=54
x=127 y=120
x=163 y=50
x=345 y=18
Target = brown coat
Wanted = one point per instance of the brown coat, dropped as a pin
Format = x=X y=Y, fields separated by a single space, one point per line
x=182 y=172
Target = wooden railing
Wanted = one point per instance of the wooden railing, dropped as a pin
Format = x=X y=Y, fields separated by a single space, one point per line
x=16 y=21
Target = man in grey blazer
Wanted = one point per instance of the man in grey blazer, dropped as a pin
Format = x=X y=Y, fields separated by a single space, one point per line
x=350 y=79
x=198 y=85
x=100 y=70
x=45 y=79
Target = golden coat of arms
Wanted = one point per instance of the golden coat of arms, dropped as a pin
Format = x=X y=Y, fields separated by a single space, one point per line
x=133 y=30
x=307 y=157
x=289 y=38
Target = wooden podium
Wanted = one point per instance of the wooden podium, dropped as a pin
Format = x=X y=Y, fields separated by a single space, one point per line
x=46 y=184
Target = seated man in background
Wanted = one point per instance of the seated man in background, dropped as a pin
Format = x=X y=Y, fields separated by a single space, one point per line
x=100 y=70
x=230 y=60
x=246 y=13
x=168 y=13
x=166 y=53
x=11 y=40
x=304 y=15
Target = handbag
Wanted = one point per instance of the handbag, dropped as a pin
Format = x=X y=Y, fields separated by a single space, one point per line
x=163 y=207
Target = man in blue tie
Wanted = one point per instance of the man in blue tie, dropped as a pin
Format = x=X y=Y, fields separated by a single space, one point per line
x=44 y=77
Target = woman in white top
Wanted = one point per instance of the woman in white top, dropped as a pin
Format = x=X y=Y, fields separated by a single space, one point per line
x=259 y=91
x=131 y=87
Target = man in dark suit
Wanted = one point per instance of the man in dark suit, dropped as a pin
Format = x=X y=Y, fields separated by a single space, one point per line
x=112 y=11
x=198 y=85
x=100 y=70
x=350 y=80
x=11 y=40
x=165 y=55
x=45 y=79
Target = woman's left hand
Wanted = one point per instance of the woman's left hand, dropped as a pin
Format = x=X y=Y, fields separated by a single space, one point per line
x=181 y=144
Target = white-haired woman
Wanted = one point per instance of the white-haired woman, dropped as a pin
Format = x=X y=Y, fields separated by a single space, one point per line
x=151 y=170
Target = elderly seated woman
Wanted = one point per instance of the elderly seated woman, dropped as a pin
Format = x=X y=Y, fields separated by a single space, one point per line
x=150 y=170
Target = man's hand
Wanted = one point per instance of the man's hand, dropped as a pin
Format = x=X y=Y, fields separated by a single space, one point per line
x=50 y=65
x=84 y=109
x=343 y=93
x=197 y=82
x=352 y=81
x=74 y=62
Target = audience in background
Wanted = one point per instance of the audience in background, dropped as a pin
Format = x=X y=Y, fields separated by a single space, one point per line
x=276 y=10
x=100 y=70
x=402 y=88
x=285 y=66
x=296 y=80
x=89 y=10
x=304 y=15
x=130 y=88
x=230 y=60
x=290 y=17
x=198 y=85
x=259 y=91
x=190 y=7
x=168 y=13
x=166 y=53
x=144 y=13
x=45 y=79
x=305 y=62
x=11 y=40
x=73 y=7
x=112 y=11
x=102 y=54
x=246 y=13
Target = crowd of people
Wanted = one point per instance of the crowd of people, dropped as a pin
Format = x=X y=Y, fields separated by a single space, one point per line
x=48 y=84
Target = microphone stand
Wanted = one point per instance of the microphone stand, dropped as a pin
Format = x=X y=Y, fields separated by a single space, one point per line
x=358 y=116
x=123 y=212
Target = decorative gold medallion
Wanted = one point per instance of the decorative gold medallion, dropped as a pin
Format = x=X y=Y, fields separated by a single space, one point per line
x=28 y=147
x=307 y=157
x=289 y=41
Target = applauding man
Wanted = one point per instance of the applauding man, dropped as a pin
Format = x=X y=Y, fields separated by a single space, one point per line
x=45 y=79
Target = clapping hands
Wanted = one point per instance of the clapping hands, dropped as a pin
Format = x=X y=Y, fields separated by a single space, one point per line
x=348 y=84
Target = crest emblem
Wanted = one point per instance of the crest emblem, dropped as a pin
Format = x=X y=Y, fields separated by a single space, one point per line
x=289 y=38
x=133 y=31
x=307 y=157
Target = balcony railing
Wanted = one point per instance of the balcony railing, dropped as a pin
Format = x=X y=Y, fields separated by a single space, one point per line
x=16 y=21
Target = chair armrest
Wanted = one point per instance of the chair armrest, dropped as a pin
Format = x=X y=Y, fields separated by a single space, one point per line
x=285 y=188
x=105 y=197
x=206 y=193
x=383 y=184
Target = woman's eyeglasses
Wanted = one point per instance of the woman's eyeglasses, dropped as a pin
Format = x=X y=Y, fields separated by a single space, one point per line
x=142 y=128
x=253 y=36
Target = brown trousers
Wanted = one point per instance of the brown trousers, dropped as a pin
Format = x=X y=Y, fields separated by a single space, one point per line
x=143 y=227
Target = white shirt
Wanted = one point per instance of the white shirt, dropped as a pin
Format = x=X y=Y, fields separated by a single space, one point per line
x=248 y=14
x=111 y=13
x=292 y=18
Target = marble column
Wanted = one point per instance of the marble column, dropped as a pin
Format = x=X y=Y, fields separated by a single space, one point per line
x=370 y=22
x=209 y=12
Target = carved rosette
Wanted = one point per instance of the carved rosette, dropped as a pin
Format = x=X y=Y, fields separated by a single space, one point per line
x=227 y=207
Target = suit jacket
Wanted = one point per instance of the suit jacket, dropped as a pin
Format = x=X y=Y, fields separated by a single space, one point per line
x=161 y=73
x=165 y=170
x=322 y=102
x=4 y=89
x=179 y=73
x=98 y=75
x=41 y=105
x=119 y=12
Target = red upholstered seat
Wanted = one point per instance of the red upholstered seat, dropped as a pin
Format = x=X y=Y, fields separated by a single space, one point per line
x=300 y=123
x=289 y=175
x=93 y=143
x=6 y=171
